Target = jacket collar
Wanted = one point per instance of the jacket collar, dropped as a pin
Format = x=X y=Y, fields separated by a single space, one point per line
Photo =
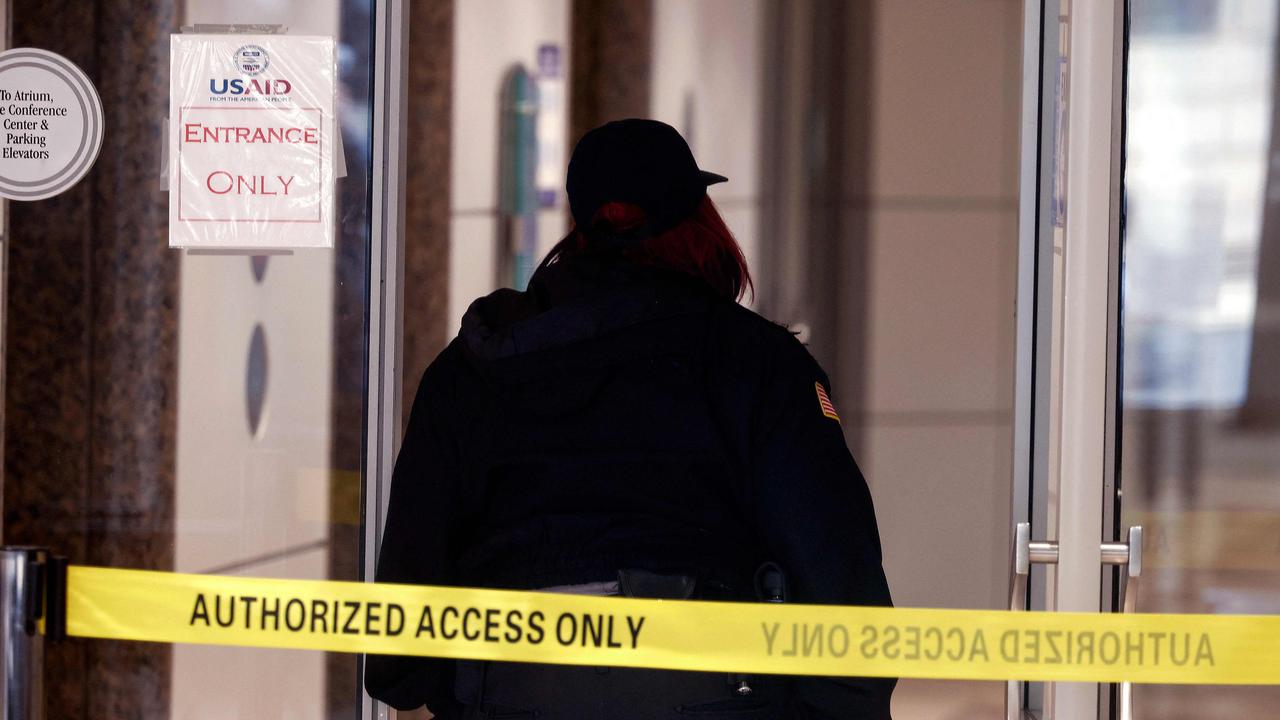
x=576 y=299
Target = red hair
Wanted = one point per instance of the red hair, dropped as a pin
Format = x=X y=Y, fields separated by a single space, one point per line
x=701 y=246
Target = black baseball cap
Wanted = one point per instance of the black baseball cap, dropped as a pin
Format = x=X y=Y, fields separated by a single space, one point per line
x=638 y=161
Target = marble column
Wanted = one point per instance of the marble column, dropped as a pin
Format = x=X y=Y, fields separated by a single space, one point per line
x=818 y=68
x=611 y=62
x=428 y=168
x=91 y=347
x=47 y=405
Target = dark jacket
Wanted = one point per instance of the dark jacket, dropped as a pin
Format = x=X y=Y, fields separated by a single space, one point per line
x=617 y=416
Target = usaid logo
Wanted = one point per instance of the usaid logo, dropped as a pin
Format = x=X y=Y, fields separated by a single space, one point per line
x=254 y=86
x=251 y=59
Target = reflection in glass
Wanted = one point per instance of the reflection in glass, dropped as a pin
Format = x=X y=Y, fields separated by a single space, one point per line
x=271 y=403
x=1199 y=467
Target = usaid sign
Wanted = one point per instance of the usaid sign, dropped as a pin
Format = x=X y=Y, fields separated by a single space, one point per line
x=251 y=139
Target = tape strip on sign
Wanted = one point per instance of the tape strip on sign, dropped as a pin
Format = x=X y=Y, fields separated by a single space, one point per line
x=679 y=635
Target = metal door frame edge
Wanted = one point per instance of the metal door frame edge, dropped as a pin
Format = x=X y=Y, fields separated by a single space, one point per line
x=1034 y=303
x=1089 y=293
x=386 y=272
x=1111 y=488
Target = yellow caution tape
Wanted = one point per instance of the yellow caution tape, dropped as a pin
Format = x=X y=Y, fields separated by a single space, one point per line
x=715 y=636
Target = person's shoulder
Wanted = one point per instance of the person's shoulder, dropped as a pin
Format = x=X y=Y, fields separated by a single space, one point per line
x=749 y=326
x=757 y=340
x=442 y=372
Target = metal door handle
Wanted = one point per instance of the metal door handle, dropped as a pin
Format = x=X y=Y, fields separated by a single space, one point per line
x=1129 y=585
x=1026 y=553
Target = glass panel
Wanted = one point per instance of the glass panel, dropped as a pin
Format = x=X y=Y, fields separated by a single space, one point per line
x=177 y=411
x=270 y=415
x=273 y=488
x=278 y=496
x=1201 y=441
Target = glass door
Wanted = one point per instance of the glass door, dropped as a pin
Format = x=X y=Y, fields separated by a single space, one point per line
x=1068 y=542
x=1067 y=288
x=225 y=412
x=1198 y=452
x=1157 y=291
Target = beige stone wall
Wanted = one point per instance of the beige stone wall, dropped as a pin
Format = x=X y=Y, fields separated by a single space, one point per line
x=937 y=330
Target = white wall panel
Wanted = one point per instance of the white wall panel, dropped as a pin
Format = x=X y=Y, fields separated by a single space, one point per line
x=489 y=37
x=707 y=77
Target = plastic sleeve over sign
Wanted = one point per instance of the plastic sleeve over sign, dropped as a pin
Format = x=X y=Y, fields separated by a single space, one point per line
x=251 y=141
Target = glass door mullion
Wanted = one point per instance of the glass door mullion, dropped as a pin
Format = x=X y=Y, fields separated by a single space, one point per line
x=386 y=270
x=1070 y=274
x=1040 y=52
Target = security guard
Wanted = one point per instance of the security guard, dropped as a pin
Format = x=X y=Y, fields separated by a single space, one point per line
x=625 y=427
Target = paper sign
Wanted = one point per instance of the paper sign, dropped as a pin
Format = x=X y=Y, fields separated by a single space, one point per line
x=52 y=124
x=251 y=141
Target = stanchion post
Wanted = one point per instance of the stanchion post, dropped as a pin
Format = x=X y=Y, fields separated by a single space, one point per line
x=23 y=575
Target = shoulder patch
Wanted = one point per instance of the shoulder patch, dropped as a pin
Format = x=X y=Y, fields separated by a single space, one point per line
x=824 y=403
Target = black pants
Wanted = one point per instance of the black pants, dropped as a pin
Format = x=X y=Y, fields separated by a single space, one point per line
x=510 y=691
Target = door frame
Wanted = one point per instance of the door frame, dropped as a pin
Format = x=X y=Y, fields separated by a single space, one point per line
x=1066 y=368
x=1086 y=345
x=1067 y=378
x=385 y=287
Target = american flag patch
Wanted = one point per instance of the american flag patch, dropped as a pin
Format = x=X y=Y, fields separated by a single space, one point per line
x=824 y=402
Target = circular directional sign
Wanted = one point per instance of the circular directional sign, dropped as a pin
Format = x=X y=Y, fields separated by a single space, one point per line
x=50 y=124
